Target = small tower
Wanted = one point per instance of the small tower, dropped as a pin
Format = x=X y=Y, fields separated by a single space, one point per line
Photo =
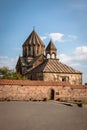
x=51 y=50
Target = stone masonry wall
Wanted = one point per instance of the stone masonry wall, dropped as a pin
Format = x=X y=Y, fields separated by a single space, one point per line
x=38 y=91
x=72 y=78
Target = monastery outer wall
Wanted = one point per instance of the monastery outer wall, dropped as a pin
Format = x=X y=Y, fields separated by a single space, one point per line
x=42 y=91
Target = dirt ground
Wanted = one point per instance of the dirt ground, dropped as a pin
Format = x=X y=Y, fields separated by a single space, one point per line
x=49 y=115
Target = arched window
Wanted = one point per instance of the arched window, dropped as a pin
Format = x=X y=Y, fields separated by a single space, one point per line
x=53 y=56
x=25 y=51
x=29 y=50
x=34 y=50
x=38 y=49
x=48 y=56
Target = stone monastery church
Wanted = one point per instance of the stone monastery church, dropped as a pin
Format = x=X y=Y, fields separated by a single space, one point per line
x=40 y=63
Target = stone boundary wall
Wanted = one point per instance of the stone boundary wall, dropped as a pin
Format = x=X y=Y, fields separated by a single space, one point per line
x=25 y=90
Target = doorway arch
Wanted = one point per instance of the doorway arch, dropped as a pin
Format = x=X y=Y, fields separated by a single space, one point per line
x=52 y=94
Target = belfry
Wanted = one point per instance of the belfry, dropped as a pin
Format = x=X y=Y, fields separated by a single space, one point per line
x=51 y=50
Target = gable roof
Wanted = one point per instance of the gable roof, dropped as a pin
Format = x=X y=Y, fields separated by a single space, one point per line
x=30 y=65
x=36 y=59
x=50 y=46
x=21 y=60
x=33 y=39
x=54 y=66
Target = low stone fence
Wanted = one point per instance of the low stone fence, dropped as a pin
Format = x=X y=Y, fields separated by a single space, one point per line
x=25 y=90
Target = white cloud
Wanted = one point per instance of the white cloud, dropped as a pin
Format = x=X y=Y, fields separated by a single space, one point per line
x=8 y=62
x=3 y=57
x=56 y=36
x=59 y=37
x=81 y=53
x=81 y=50
x=43 y=37
x=77 y=58
x=64 y=58
x=72 y=37
x=69 y=38
x=85 y=77
x=75 y=64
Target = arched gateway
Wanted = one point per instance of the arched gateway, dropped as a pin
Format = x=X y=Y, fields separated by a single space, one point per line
x=52 y=94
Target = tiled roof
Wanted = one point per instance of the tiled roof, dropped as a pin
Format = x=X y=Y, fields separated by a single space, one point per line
x=40 y=83
x=32 y=82
x=78 y=86
x=51 y=46
x=33 y=39
x=22 y=60
x=53 y=65
x=30 y=64
x=34 y=60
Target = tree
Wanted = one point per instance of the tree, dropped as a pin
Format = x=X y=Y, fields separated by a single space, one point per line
x=6 y=73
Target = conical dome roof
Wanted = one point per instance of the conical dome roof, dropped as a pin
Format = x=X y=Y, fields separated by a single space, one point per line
x=33 y=39
x=51 y=46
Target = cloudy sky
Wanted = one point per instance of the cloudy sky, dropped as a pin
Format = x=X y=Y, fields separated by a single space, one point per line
x=63 y=21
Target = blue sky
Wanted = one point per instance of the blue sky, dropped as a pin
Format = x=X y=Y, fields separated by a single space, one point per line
x=63 y=21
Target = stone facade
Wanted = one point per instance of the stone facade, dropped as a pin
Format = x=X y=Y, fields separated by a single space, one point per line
x=72 y=78
x=38 y=63
x=41 y=90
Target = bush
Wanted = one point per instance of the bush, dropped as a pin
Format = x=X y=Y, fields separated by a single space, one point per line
x=6 y=73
